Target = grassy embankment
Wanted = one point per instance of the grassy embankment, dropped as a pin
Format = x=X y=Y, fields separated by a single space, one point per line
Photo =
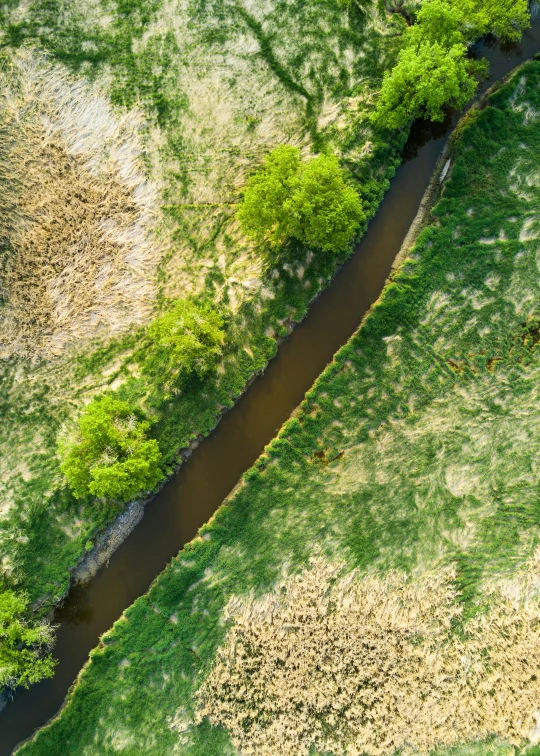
x=139 y=126
x=416 y=450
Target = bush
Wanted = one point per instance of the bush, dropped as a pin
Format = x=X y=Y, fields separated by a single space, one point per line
x=306 y=200
x=24 y=647
x=187 y=339
x=433 y=69
x=111 y=456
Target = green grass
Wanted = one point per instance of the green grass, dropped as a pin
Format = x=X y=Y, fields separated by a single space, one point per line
x=217 y=85
x=417 y=448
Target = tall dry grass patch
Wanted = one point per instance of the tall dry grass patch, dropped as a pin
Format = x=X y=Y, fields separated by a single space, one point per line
x=372 y=665
x=77 y=258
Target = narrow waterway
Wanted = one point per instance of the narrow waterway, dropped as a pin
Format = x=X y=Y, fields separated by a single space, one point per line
x=205 y=479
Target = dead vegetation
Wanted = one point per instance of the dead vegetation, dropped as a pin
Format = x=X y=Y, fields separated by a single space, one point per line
x=76 y=257
x=373 y=665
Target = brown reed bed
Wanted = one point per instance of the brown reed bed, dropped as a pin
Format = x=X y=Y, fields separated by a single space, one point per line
x=374 y=665
x=77 y=258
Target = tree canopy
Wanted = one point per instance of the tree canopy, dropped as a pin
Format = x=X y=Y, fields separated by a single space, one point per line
x=505 y=18
x=433 y=69
x=187 y=339
x=425 y=80
x=24 y=646
x=310 y=201
x=111 y=456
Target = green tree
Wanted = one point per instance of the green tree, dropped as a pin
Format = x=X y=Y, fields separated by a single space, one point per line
x=111 y=456
x=507 y=19
x=187 y=339
x=437 y=22
x=261 y=212
x=425 y=80
x=24 y=646
x=433 y=70
x=306 y=200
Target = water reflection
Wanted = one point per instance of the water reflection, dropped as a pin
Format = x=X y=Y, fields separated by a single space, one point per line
x=424 y=131
x=76 y=609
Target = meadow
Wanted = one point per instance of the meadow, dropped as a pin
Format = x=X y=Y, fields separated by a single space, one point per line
x=399 y=504
x=128 y=130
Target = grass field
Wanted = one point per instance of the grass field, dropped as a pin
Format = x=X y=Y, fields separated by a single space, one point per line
x=401 y=503
x=139 y=121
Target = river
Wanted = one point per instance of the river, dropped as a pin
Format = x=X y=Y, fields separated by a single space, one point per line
x=210 y=473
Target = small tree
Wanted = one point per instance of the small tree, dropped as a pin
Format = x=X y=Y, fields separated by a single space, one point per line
x=425 y=80
x=24 y=646
x=306 y=200
x=187 y=339
x=111 y=456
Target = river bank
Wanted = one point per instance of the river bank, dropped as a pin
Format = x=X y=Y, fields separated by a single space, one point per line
x=407 y=454
x=110 y=538
x=171 y=520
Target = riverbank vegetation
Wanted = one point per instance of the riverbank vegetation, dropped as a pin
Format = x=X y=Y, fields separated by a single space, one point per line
x=111 y=456
x=308 y=201
x=24 y=646
x=135 y=304
x=399 y=504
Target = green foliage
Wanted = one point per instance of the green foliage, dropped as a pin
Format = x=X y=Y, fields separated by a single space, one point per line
x=505 y=18
x=111 y=458
x=24 y=646
x=433 y=70
x=187 y=339
x=426 y=79
x=261 y=212
x=438 y=22
x=305 y=200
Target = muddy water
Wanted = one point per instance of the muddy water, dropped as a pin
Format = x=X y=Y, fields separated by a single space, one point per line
x=206 y=478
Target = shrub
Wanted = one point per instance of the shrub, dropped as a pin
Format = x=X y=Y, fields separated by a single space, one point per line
x=111 y=457
x=306 y=200
x=187 y=339
x=24 y=647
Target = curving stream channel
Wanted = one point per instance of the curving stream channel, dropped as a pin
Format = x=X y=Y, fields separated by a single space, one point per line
x=207 y=477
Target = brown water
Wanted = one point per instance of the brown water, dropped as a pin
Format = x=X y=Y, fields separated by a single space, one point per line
x=205 y=479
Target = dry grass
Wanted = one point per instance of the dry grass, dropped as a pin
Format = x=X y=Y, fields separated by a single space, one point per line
x=370 y=666
x=78 y=259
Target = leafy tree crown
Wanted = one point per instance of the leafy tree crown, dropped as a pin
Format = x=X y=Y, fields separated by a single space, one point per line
x=111 y=456
x=306 y=200
x=24 y=646
x=433 y=69
x=187 y=339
